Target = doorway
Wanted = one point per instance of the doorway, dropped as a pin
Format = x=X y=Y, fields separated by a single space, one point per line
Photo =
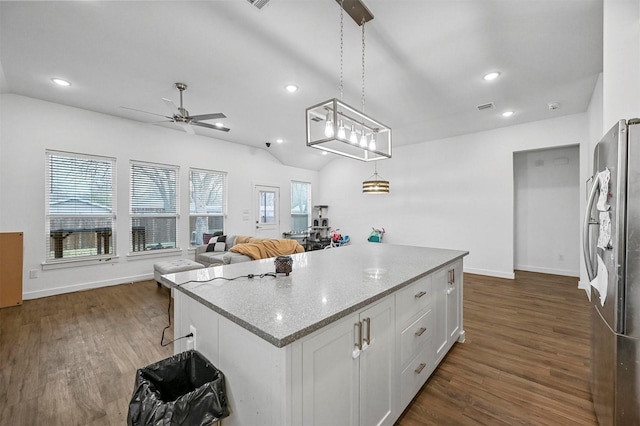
x=266 y=211
x=547 y=210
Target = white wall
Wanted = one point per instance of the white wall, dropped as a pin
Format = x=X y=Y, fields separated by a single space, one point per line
x=28 y=127
x=547 y=184
x=452 y=193
x=621 y=60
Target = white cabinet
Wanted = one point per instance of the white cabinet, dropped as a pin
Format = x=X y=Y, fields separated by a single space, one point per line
x=447 y=306
x=348 y=370
x=414 y=321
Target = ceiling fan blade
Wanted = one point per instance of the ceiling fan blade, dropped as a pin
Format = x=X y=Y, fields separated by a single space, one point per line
x=201 y=117
x=173 y=108
x=210 y=126
x=146 y=112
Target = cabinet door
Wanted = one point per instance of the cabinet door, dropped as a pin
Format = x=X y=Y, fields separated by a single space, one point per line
x=440 y=331
x=454 y=299
x=331 y=376
x=447 y=292
x=377 y=381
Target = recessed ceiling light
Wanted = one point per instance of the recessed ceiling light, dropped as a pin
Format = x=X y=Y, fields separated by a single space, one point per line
x=61 y=82
x=291 y=88
x=507 y=113
x=491 y=76
x=279 y=141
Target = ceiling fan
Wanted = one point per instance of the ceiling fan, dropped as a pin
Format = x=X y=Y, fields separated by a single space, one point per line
x=181 y=117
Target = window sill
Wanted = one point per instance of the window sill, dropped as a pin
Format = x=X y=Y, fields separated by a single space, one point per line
x=153 y=253
x=74 y=263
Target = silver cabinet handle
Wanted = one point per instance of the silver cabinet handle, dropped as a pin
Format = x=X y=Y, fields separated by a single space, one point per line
x=358 y=327
x=367 y=339
x=420 y=368
x=450 y=290
x=420 y=331
x=419 y=295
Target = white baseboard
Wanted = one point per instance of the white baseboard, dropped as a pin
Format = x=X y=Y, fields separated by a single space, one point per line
x=553 y=271
x=84 y=286
x=497 y=274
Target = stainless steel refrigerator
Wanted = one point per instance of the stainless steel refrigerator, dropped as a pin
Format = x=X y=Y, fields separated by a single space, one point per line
x=611 y=239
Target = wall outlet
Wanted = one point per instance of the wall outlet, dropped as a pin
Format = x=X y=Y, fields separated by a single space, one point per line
x=191 y=341
x=33 y=273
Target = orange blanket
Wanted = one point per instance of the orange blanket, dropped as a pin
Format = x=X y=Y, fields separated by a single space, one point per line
x=263 y=249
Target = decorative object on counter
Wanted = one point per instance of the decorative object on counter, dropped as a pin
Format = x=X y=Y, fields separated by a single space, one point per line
x=284 y=265
x=336 y=127
x=375 y=184
x=376 y=235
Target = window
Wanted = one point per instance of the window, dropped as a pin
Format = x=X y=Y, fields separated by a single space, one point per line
x=300 y=202
x=154 y=206
x=80 y=196
x=207 y=204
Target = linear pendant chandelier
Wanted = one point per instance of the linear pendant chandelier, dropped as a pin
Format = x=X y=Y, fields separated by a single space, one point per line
x=336 y=127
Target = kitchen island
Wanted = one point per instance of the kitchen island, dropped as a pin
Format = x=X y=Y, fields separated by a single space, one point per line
x=348 y=337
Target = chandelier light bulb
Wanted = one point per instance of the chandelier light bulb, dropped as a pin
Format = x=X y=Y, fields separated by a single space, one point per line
x=328 y=128
x=372 y=144
x=363 y=140
x=353 y=138
x=342 y=134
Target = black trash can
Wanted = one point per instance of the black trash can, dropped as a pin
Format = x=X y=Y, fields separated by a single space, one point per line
x=185 y=389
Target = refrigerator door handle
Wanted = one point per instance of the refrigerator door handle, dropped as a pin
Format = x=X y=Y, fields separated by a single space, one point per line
x=586 y=240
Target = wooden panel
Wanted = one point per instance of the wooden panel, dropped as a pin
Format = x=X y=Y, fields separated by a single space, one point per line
x=10 y=269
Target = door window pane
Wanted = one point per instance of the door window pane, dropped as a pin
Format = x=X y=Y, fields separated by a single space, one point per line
x=267 y=207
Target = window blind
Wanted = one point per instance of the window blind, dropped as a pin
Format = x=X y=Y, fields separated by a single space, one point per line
x=153 y=206
x=207 y=204
x=300 y=201
x=79 y=205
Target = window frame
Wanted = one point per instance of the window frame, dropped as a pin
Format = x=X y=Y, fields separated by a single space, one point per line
x=193 y=233
x=106 y=236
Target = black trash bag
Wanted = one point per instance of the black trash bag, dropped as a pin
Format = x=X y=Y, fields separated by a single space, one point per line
x=185 y=389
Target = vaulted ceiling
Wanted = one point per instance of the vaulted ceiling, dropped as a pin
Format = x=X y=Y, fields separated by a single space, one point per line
x=425 y=60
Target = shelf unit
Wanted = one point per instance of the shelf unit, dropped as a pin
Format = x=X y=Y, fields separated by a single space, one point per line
x=319 y=232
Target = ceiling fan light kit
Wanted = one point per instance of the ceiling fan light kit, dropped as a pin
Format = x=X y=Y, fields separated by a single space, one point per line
x=333 y=126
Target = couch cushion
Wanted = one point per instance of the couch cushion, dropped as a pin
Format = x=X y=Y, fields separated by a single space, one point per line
x=211 y=258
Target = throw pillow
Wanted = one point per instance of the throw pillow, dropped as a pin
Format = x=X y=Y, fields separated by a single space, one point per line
x=217 y=243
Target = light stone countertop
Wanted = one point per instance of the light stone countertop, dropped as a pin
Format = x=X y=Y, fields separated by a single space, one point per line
x=325 y=285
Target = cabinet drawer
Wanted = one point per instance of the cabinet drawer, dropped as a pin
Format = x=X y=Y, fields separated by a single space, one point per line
x=415 y=375
x=413 y=299
x=414 y=337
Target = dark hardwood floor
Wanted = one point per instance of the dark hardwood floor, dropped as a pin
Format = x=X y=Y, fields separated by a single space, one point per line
x=525 y=360
x=71 y=359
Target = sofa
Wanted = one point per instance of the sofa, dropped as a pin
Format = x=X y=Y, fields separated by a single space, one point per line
x=228 y=249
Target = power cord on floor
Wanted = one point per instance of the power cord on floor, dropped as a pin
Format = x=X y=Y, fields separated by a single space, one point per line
x=165 y=329
x=267 y=274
